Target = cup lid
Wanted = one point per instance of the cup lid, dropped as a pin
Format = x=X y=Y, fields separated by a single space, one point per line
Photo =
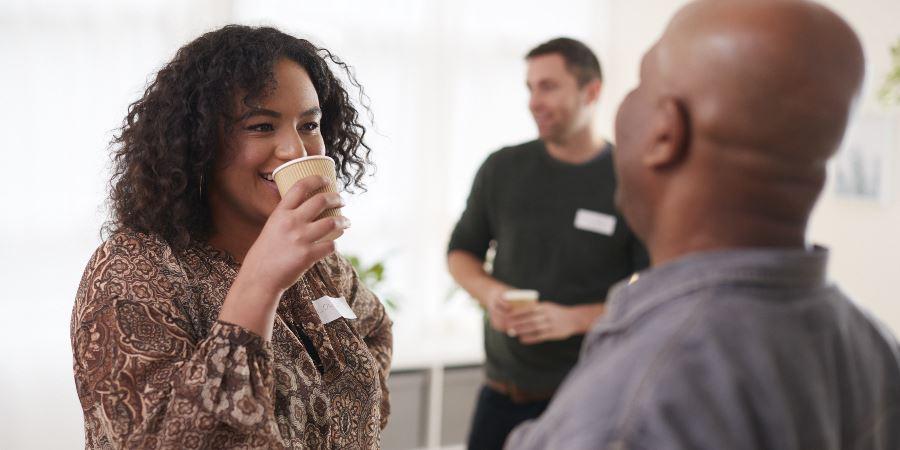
x=301 y=159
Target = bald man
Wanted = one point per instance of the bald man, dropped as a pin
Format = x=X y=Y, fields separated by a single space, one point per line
x=733 y=339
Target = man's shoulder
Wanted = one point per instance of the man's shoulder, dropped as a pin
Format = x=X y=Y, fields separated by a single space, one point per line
x=617 y=363
x=517 y=152
x=656 y=335
x=718 y=331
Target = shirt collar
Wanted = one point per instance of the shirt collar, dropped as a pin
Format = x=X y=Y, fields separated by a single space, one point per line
x=771 y=267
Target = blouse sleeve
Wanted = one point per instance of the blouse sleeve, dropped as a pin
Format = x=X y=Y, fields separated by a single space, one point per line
x=372 y=324
x=145 y=382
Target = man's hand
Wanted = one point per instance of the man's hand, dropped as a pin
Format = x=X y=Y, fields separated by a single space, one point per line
x=548 y=321
x=498 y=309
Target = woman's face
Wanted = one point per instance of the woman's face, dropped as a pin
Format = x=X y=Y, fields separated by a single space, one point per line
x=280 y=127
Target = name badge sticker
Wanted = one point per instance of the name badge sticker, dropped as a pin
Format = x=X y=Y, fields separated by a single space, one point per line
x=595 y=222
x=330 y=309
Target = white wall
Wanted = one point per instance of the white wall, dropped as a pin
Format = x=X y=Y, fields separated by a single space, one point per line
x=865 y=236
x=69 y=71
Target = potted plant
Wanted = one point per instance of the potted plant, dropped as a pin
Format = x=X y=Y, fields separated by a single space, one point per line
x=890 y=90
x=372 y=275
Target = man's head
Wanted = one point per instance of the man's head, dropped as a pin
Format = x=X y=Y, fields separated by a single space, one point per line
x=741 y=103
x=564 y=80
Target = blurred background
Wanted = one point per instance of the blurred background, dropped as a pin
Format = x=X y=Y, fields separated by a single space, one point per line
x=446 y=83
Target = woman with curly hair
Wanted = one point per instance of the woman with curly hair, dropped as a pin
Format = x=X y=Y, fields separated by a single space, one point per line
x=190 y=327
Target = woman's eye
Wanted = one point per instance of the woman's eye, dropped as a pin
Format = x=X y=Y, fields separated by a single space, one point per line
x=309 y=126
x=261 y=127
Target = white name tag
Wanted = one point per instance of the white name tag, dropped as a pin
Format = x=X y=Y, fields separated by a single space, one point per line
x=595 y=222
x=330 y=308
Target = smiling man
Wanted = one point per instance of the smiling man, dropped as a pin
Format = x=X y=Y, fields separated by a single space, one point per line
x=548 y=205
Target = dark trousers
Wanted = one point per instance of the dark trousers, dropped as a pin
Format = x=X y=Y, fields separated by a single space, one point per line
x=495 y=417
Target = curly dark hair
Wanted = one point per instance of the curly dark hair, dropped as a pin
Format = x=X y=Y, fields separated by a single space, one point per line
x=171 y=138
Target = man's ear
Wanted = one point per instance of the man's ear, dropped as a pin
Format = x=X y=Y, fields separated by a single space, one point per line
x=592 y=90
x=671 y=134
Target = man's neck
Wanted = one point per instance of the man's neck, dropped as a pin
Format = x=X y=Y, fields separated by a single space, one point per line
x=676 y=238
x=578 y=147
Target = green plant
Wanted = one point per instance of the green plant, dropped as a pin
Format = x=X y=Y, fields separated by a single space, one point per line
x=890 y=90
x=373 y=276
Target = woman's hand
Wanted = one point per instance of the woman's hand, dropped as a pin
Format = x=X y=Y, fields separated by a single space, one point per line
x=291 y=241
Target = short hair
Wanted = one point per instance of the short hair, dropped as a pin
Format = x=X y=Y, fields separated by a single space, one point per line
x=580 y=60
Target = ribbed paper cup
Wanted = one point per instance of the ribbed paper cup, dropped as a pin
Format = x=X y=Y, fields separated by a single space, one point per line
x=297 y=169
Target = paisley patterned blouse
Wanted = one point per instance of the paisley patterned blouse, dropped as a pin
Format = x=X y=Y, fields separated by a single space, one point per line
x=154 y=368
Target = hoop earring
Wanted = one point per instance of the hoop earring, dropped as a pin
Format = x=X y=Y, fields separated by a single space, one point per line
x=201 y=187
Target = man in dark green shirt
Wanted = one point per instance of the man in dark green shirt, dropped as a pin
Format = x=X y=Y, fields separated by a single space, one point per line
x=548 y=206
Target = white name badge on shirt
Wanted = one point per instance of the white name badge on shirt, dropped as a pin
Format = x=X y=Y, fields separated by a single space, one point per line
x=330 y=308
x=595 y=222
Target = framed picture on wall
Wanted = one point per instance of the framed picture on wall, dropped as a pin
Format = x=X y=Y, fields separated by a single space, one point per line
x=862 y=166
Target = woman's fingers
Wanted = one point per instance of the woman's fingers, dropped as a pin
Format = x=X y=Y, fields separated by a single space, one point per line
x=320 y=250
x=326 y=229
x=313 y=208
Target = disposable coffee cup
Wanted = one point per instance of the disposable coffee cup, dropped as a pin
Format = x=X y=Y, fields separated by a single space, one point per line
x=521 y=298
x=297 y=169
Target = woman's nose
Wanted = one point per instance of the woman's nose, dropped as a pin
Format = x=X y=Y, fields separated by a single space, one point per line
x=290 y=147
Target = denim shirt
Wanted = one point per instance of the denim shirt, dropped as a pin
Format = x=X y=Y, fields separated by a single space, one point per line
x=728 y=350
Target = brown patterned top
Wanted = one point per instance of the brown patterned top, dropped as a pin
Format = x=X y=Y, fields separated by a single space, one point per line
x=155 y=369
